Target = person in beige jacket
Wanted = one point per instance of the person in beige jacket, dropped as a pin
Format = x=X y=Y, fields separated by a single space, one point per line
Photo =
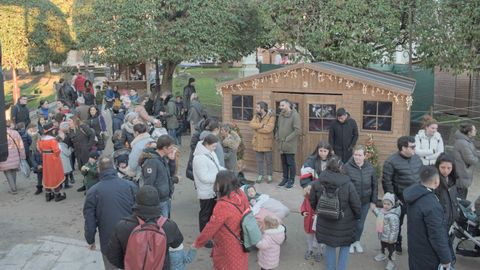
x=263 y=124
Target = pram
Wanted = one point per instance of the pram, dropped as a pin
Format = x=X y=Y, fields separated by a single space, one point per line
x=121 y=156
x=466 y=230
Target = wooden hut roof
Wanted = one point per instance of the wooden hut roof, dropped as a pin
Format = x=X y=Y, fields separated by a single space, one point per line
x=372 y=77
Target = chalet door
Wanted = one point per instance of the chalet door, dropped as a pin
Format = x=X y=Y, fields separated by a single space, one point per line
x=298 y=101
x=319 y=116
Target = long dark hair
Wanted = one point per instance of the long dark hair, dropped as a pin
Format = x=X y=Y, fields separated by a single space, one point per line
x=334 y=164
x=324 y=145
x=446 y=158
x=225 y=183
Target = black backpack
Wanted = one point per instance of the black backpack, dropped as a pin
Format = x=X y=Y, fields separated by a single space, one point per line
x=328 y=206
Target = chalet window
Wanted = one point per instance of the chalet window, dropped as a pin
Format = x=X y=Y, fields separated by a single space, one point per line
x=377 y=115
x=242 y=107
x=321 y=116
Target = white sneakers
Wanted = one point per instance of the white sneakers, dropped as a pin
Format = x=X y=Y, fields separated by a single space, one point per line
x=380 y=257
x=390 y=265
x=355 y=246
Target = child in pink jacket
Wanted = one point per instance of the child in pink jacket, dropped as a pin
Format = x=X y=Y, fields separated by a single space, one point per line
x=269 y=246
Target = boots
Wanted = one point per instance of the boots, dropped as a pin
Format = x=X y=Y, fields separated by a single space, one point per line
x=48 y=196
x=39 y=190
x=66 y=185
x=60 y=197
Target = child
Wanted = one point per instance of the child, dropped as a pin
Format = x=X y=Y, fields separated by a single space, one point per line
x=179 y=258
x=65 y=154
x=36 y=159
x=89 y=170
x=269 y=246
x=308 y=225
x=388 y=225
x=159 y=130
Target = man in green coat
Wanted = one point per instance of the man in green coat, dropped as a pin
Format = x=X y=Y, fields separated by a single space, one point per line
x=89 y=171
x=288 y=130
x=171 y=114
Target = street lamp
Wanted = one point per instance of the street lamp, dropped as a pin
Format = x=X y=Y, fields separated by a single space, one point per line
x=3 y=121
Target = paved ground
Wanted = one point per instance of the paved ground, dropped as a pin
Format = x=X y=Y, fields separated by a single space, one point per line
x=38 y=235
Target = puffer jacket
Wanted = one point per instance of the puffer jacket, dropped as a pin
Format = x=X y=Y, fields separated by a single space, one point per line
x=400 y=172
x=289 y=129
x=14 y=153
x=466 y=157
x=428 y=243
x=171 y=114
x=157 y=171
x=447 y=195
x=311 y=169
x=138 y=144
x=337 y=233
x=262 y=140
x=364 y=179
x=269 y=247
x=391 y=224
x=65 y=154
x=428 y=148
x=343 y=137
x=205 y=169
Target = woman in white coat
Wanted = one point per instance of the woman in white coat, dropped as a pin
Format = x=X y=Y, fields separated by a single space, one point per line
x=205 y=169
x=429 y=142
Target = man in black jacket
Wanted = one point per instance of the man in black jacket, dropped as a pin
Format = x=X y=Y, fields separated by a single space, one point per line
x=158 y=171
x=147 y=207
x=107 y=202
x=400 y=171
x=428 y=244
x=20 y=112
x=343 y=135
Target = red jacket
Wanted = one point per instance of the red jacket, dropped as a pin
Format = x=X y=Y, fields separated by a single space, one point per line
x=227 y=252
x=308 y=219
x=79 y=83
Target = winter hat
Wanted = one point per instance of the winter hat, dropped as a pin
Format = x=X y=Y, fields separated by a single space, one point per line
x=341 y=112
x=48 y=128
x=94 y=155
x=147 y=203
x=389 y=197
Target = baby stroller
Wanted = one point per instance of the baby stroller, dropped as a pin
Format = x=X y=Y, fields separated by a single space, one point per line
x=466 y=230
x=121 y=156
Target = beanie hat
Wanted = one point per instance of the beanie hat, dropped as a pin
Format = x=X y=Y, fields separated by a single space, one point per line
x=341 y=112
x=94 y=155
x=147 y=203
x=389 y=197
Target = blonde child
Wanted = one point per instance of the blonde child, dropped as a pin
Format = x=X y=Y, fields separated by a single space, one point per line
x=269 y=246
x=308 y=214
x=388 y=224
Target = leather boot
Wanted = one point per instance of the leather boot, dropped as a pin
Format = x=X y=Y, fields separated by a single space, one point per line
x=48 y=196
x=39 y=190
x=60 y=197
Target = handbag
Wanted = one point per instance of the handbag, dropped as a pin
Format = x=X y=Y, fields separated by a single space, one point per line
x=24 y=167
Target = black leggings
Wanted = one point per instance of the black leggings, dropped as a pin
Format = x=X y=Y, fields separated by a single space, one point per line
x=206 y=211
x=390 y=247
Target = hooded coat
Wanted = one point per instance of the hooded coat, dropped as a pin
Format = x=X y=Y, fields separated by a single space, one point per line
x=205 y=169
x=288 y=131
x=106 y=204
x=466 y=157
x=337 y=233
x=227 y=252
x=343 y=137
x=428 y=148
x=138 y=144
x=262 y=140
x=157 y=171
x=16 y=151
x=97 y=123
x=171 y=113
x=218 y=149
x=269 y=247
x=391 y=224
x=428 y=244
x=195 y=112
x=364 y=179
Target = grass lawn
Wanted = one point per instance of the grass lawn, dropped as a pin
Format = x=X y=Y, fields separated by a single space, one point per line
x=206 y=80
x=36 y=87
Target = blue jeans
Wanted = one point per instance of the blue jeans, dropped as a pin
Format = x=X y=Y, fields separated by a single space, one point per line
x=331 y=258
x=361 y=221
x=173 y=133
x=165 y=208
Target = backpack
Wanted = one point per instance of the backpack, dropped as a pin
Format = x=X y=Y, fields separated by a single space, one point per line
x=146 y=246
x=250 y=233
x=328 y=205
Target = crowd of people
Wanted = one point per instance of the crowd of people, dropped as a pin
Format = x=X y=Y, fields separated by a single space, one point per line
x=132 y=189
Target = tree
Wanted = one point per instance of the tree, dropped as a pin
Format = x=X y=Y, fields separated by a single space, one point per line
x=32 y=33
x=127 y=32
x=353 y=32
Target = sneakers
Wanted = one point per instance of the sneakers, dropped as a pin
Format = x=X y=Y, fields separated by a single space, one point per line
x=355 y=246
x=390 y=265
x=380 y=257
x=289 y=185
x=308 y=255
x=259 y=179
x=284 y=181
x=269 y=179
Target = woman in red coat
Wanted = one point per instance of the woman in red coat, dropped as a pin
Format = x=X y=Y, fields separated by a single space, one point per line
x=52 y=168
x=227 y=252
